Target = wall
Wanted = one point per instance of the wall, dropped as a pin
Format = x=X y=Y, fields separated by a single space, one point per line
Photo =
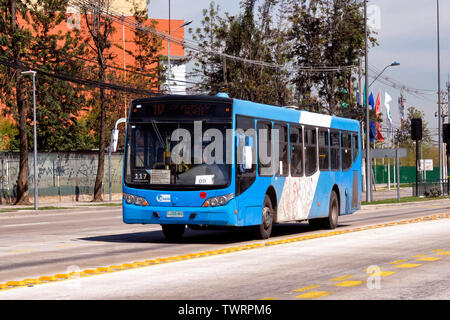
x=61 y=176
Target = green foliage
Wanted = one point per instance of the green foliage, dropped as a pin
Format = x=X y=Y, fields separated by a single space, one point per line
x=58 y=102
x=293 y=34
x=8 y=135
x=252 y=34
x=327 y=33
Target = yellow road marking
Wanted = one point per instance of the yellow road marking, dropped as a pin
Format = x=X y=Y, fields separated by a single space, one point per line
x=306 y=288
x=21 y=250
x=397 y=261
x=348 y=283
x=32 y=281
x=314 y=294
x=444 y=253
x=269 y=298
x=438 y=250
x=428 y=259
x=16 y=283
x=341 y=278
x=381 y=273
x=408 y=265
x=419 y=256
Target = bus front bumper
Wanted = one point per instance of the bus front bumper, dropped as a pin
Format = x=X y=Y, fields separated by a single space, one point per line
x=219 y=216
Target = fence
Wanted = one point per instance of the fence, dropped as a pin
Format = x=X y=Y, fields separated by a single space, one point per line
x=407 y=174
x=60 y=176
x=432 y=188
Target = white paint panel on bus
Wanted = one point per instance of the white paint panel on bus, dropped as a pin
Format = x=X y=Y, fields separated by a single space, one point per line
x=298 y=192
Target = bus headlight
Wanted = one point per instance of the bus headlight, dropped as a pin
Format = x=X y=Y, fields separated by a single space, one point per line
x=132 y=199
x=218 y=201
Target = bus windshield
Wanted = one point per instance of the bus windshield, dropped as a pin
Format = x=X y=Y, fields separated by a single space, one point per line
x=164 y=154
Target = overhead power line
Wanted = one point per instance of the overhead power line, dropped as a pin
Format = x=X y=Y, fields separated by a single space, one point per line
x=80 y=81
x=192 y=45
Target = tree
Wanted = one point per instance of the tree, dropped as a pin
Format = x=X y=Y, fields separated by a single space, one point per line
x=58 y=102
x=100 y=28
x=251 y=35
x=327 y=33
x=403 y=138
x=147 y=72
x=14 y=41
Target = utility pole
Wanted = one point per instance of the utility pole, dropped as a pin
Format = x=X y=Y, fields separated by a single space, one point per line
x=368 y=159
x=439 y=95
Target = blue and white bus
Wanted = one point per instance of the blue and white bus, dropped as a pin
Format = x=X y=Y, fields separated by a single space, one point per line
x=270 y=165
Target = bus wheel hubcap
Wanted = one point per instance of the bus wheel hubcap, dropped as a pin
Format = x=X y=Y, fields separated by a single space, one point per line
x=267 y=218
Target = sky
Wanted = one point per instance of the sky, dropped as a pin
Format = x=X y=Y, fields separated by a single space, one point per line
x=407 y=34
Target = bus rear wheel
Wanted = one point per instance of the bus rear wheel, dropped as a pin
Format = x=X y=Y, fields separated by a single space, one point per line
x=173 y=231
x=331 y=221
x=264 y=230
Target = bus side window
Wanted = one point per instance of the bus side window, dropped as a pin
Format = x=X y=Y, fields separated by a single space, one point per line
x=346 y=147
x=324 y=159
x=335 y=151
x=265 y=167
x=296 y=147
x=355 y=146
x=310 y=151
x=282 y=164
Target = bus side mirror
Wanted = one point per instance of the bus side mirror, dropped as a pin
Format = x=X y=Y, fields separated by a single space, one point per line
x=114 y=140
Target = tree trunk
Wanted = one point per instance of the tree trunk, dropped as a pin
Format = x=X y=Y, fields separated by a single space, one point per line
x=22 y=179
x=102 y=146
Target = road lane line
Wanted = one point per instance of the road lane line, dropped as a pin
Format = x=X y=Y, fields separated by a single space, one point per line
x=306 y=288
x=24 y=224
x=428 y=259
x=348 y=283
x=342 y=278
x=408 y=265
x=381 y=273
x=314 y=294
x=398 y=261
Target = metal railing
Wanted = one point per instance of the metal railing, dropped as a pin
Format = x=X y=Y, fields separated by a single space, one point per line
x=431 y=188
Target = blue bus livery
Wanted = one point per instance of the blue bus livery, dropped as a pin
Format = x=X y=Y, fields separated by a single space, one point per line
x=270 y=165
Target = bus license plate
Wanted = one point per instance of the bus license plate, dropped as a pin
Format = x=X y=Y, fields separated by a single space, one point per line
x=174 y=214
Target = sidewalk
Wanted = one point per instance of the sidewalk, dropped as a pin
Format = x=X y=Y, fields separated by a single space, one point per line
x=45 y=205
x=382 y=193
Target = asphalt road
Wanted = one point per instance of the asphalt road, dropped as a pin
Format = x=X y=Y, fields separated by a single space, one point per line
x=34 y=245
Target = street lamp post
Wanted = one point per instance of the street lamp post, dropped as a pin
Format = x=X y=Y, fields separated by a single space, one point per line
x=168 y=47
x=33 y=73
x=368 y=159
x=393 y=64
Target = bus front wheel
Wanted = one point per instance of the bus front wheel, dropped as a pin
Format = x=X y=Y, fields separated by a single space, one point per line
x=264 y=230
x=173 y=231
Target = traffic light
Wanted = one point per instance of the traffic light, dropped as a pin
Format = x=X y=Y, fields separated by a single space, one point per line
x=446 y=133
x=416 y=129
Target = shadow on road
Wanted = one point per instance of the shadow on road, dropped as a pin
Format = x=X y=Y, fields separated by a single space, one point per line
x=226 y=236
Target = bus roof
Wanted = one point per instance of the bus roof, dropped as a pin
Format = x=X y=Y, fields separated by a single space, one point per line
x=264 y=111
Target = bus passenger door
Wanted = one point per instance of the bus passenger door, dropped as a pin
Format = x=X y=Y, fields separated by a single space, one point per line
x=245 y=176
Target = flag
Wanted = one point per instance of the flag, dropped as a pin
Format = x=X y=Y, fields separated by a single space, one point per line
x=357 y=95
x=378 y=124
x=387 y=99
x=372 y=124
